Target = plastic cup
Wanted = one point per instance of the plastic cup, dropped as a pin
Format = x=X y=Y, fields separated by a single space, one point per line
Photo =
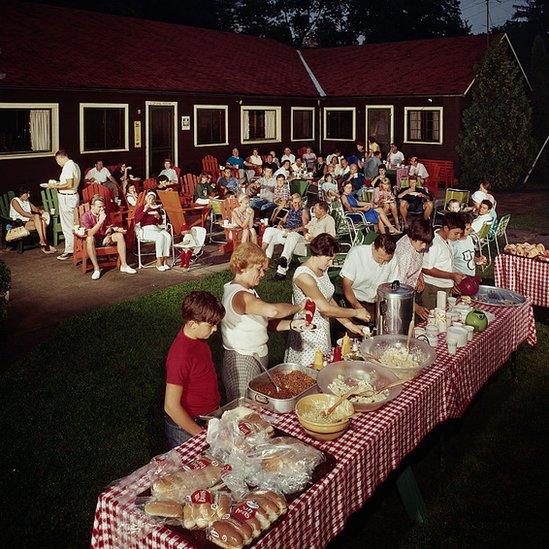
x=470 y=332
x=452 y=346
x=452 y=301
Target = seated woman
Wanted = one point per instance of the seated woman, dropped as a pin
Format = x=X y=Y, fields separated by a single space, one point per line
x=32 y=217
x=385 y=199
x=247 y=319
x=148 y=216
x=381 y=176
x=203 y=189
x=243 y=217
x=132 y=196
x=366 y=210
x=329 y=187
x=311 y=281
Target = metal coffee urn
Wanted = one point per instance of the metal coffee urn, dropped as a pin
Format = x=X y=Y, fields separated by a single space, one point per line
x=394 y=308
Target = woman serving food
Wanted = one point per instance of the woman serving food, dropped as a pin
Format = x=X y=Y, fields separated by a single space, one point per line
x=247 y=319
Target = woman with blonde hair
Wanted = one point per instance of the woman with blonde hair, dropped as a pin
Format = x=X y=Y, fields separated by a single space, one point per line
x=243 y=217
x=248 y=319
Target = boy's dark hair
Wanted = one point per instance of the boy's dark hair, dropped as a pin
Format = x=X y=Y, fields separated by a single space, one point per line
x=488 y=203
x=386 y=242
x=453 y=220
x=202 y=306
x=280 y=176
x=324 y=244
x=467 y=217
x=422 y=230
x=323 y=205
x=162 y=177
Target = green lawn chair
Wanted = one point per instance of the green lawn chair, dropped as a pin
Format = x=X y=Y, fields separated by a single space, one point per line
x=216 y=219
x=50 y=203
x=366 y=194
x=461 y=195
x=482 y=241
x=501 y=230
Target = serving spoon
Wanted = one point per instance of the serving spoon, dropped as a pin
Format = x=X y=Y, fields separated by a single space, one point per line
x=276 y=386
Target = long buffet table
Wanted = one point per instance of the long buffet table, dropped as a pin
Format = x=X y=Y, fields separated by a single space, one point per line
x=374 y=445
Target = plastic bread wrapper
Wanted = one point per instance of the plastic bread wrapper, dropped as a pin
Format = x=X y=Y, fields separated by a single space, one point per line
x=281 y=464
x=241 y=428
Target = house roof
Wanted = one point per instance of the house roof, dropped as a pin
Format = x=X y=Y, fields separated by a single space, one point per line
x=56 y=47
x=50 y=46
x=440 y=66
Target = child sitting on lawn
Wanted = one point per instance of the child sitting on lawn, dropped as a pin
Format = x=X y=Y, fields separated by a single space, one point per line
x=191 y=379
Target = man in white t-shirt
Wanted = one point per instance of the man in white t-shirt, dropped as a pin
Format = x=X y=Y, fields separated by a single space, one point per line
x=365 y=268
x=395 y=157
x=438 y=266
x=288 y=156
x=417 y=169
x=100 y=174
x=283 y=170
x=484 y=216
x=67 y=189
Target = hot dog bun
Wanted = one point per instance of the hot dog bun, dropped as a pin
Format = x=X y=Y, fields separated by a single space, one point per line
x=170 y=509
x=226 y=535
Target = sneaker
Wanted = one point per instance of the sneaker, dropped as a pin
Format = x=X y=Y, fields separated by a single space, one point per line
x=283 y=262
x=278 y=277
x=128 y=270
x=64 y=256
x=159 y=268
x=96 y=275
x=166 y=267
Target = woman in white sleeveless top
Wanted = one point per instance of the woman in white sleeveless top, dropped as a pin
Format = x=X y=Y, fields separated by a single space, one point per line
x=247 y=319
x=311 y=281
x=32 y=217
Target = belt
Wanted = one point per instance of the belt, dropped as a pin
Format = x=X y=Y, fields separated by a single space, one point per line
x=67 y=193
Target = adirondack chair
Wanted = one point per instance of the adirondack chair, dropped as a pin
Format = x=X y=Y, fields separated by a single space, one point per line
x=150 y=184
x=210 y=164
x=188 y=185
x=107 y=256
x=50 y=203
x=233 y=236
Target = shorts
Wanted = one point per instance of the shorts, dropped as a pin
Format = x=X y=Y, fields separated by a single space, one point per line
x=104 y=241
x=371 y=216
x=414 y=205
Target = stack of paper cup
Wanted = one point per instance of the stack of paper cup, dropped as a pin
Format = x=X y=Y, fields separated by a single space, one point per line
x=441 y=300
x=441 y=319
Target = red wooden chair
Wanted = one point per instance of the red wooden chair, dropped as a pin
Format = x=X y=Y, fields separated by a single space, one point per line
x=182 y=219
x=188 y=185
x=300 y=152
x=150 y=184
x=107 y=256
x=210 y=164
x=233 y=236
x=93 y=189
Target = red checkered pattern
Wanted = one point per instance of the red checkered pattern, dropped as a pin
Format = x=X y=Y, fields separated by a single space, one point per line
x=523 y=275
x=373 y=446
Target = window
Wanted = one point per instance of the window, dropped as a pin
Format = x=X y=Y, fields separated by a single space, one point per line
x=28 y=129
x=379 y=123
x=210 y=125
x=303 y=123
x=103 y=127
x=339 y=124
x=260 y=124
x=423 y=125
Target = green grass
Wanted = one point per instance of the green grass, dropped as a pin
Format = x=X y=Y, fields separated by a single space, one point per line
x=85 y=408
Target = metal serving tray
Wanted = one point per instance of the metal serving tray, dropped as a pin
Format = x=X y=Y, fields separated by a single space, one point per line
x=280 y=405
x=498 y=297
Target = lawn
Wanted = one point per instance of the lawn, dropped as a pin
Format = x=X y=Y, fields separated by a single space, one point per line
x=85 y=408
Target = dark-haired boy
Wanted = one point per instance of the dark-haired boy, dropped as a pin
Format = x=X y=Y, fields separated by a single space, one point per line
x=438 y=267
x=191 y=379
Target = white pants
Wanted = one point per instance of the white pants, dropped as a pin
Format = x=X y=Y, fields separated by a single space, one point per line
x=273 y=236
x=295 y=244
x=67 y=204
x=162 y=239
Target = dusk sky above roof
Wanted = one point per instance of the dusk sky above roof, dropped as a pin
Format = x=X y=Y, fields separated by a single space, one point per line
x=475 y=12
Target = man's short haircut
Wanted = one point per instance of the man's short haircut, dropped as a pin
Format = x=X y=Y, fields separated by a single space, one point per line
x=97 y=198
x=168 y=160
x=323 y=205
x=62 y=152
x=202 y=306
x=381 y=167
x=467 y=217
x=99 y=160
x=377 y=153
x=324 y=244
x=488 y=203
x=386 y=242
x=422 y=230
x=453 y=220
x=280 y=176
x=246 y=255
x=163 y=178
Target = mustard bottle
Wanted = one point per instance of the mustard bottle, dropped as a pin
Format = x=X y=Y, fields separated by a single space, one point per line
x=345 y=345
x=319 y=360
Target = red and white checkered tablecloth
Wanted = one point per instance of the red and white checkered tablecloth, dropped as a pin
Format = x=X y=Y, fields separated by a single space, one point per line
x=529 y=277
x=373 y=446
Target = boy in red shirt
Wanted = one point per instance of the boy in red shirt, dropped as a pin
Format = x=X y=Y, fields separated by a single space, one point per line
x=191 y=379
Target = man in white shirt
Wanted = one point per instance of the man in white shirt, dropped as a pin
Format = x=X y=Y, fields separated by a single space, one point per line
x=395 y=157
x=100 y=174
x=264 y=199
x=417 y=169
x=438 y=267
x=288 y=156
x=67 y=189
x=365 y=268
x=283 y=170
x=484 y=215
x=169 y=172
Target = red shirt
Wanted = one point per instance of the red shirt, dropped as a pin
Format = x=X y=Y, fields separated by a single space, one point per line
x=190 y=365
x=146 y=218
x=89 y=220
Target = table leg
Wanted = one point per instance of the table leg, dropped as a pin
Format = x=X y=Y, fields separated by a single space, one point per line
x=410 y=494
x=513 y=367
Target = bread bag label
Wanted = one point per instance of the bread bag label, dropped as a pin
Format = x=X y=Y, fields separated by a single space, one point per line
x=244 y=512
x=226 y=468
x=199 y=463
x=202 y=496
x=245 y=428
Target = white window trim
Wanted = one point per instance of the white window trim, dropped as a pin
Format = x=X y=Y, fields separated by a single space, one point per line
x=439 y=109
x=124 y=106
x=373 y=108
x=175 y=159
x=325 y=118
x=225 y=108
x=312 y=109
x=54 y=129
x=278 y=111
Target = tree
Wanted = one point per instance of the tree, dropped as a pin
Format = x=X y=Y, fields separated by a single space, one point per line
x=539 y=77
x=495 y=142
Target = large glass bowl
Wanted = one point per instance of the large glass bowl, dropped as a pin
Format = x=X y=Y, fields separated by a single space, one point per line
x=352 y=370
x=420 y=351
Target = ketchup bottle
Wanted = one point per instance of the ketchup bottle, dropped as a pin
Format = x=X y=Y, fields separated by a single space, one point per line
x=310 y=309
x=337 y=354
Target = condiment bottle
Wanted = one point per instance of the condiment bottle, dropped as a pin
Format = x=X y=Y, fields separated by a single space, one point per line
x=310 y=309
x=337 y=354
x=345 y=345
x=319 y=360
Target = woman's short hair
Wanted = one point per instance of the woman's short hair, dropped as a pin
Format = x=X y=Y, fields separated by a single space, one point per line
x=422 y=230
x=385 y=242
x=486 y=184
x=487 y=203
x=296 y=195
x=246 y=255
x=22 y=190
x=202 y=306
x=324 y=244
x=97 y=198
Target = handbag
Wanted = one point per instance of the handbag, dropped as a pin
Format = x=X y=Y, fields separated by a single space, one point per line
x=17 y=233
